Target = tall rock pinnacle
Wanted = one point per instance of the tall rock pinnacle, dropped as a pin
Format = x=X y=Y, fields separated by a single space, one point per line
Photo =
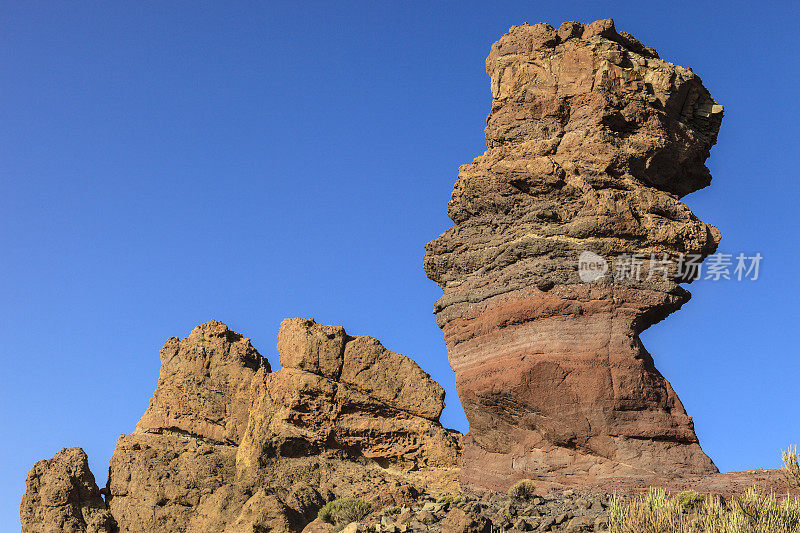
x=591 y=141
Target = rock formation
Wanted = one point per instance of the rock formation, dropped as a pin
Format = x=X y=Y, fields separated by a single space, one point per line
x=62 y=497
x=591 y=141
x=227 y=445
x=344 y=393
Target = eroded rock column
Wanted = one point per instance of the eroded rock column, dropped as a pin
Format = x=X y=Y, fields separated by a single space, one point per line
x=591 y=142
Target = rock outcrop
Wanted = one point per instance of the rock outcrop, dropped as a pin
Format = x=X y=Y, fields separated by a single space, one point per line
x=336 y=392
x=62 y=497
x=204 y=385
x=591 y=141
x=227 y=445
x=182 y=455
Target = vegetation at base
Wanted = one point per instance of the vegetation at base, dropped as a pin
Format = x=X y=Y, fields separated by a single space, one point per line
x=392 y=510
x=344 y=510
x=689 y=499
x=791 y=466
x=656 y=512
x=522 y=490
x=449 y=500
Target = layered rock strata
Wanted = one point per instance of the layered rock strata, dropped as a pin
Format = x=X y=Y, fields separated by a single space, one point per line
x=591 y=142
x=227 y=445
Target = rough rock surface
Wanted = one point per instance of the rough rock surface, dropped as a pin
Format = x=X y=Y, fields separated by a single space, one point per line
x=181 y=457
x=204 y=385
x=62 y=496
x=227 y=445
x=591 y=141
x=336 y=392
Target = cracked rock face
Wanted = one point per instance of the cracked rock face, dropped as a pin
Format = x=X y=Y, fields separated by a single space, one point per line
x=227 y=445
x=344 y=393
x=204 y=385
x=591 y=142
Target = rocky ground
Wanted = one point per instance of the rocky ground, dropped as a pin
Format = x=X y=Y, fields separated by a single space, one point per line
x=565 y=511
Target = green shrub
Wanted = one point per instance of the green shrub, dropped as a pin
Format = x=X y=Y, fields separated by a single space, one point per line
x=344 y=510
x=392 y=510
x=689 y=499
x=791 y=466
x=449 y=500
x=755 y=512
x=523 y=490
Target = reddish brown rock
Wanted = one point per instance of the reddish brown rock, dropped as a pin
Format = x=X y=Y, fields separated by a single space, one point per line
x=591 y=142
x=61 y=496
x=457 y=521
x=165 y=482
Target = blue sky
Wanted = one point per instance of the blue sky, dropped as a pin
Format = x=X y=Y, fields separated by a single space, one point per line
x=163 y=164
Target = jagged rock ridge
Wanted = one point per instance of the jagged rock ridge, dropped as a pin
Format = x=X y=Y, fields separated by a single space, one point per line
x=227 y=445
x=591 y=141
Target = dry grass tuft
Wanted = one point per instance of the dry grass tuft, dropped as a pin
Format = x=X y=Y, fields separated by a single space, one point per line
x=344 y=511
x=656 y=512
x=523 y=490
x=791 y=464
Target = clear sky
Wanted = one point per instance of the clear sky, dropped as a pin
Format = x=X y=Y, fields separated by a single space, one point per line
x=165 y=163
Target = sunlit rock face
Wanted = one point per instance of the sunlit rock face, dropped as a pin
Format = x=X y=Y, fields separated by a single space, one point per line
x=228 y=445
x=591 y=142
x=61 y=496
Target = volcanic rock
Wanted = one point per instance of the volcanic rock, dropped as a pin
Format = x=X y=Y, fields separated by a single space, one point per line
x=591 y=141
x=337 y=392
x=181 y=457
x=227 y=445
x=62 y=496
x=204 y=385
